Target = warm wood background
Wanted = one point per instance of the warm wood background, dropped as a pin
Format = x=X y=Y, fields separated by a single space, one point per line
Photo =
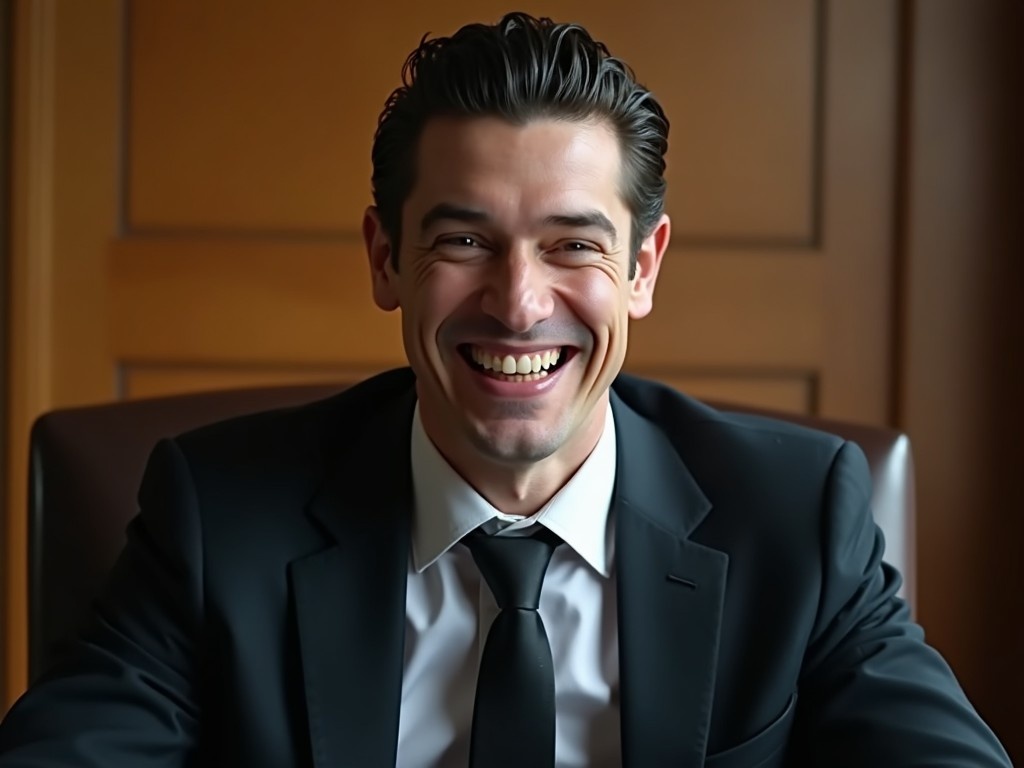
x=244 y=132
x=189 y=180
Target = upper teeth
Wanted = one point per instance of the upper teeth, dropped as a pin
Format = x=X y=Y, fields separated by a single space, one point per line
x=510 y=364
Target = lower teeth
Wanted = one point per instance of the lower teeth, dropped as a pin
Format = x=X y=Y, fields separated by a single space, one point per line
x=519 y=378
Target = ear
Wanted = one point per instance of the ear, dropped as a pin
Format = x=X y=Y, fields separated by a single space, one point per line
x=648 y=262
x=382 y=272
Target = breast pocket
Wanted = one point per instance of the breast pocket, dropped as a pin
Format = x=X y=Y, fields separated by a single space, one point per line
x=764 y=750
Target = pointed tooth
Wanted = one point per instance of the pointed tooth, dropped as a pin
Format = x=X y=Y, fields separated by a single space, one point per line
x=554 y=356
x=508 y=365
x=545 y=360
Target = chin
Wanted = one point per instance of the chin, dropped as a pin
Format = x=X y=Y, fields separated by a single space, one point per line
x=516 y=446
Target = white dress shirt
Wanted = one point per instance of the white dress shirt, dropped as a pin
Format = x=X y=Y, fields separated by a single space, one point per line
x=449 y=609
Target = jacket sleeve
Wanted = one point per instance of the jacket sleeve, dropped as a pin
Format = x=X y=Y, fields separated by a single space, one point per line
x=871 y=691
x=127 y=695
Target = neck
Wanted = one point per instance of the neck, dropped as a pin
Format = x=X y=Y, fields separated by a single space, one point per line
x=523 y=488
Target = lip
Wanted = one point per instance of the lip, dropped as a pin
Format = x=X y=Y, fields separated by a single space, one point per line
x=516 y=390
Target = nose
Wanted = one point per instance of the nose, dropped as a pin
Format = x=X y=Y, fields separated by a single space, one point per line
x=518 y=291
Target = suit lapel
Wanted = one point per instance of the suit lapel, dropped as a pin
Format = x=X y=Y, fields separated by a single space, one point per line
x=349 y=599
x=670 y=593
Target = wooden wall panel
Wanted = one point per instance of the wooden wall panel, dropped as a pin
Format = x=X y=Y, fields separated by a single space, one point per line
x=792 y=391
x=268 y=99
x=247 y=300
x=858 y=210
x=736 y=308
x=301 y=302
x=269 y=96
x=63 y=214
x=159 y=379
x=724 y=68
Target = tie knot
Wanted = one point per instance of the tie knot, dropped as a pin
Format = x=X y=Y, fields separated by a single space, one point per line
x=513 y=566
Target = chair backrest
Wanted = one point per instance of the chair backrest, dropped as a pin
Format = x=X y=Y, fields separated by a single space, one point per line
x=87 y=463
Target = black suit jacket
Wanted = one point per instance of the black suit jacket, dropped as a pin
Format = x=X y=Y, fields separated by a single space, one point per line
x=256 y=616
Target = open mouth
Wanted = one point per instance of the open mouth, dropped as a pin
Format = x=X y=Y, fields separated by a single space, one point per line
x=525 y=367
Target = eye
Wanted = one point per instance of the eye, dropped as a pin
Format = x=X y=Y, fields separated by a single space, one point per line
x=576 y=245
x=462 y=241
x=576 y=250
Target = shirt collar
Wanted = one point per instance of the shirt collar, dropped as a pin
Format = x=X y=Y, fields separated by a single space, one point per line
x=447 y=507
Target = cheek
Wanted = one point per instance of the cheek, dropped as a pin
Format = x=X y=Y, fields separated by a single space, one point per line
x=437 y=295
x=598 y=300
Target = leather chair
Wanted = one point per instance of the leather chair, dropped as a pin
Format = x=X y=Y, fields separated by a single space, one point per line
x=86 y=465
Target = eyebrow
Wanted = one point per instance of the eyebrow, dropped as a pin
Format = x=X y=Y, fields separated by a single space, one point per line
x=583 y=220
x=586 y=219
x=449 y=212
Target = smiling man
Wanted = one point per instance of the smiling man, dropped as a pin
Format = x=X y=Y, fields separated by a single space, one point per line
x=516 y=278
x=507 y=554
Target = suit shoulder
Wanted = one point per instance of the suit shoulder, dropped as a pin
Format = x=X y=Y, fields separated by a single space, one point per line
x=765 y=476
x=288 y=435
x=685 y=419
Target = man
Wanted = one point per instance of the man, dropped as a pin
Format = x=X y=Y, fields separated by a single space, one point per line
x=342 y=584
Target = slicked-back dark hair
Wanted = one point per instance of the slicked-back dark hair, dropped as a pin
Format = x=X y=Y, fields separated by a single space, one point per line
x=519 y=69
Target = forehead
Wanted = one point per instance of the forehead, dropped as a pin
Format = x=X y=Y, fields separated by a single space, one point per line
x=543 y=162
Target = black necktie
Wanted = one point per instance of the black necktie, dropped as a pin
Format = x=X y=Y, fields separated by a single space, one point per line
x=514 y=713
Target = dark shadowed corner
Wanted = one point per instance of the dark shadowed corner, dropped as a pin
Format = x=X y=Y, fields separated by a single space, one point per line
x=1007 y=401
x=6 y=56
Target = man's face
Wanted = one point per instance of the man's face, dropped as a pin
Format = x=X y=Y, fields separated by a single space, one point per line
x=514 y=284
